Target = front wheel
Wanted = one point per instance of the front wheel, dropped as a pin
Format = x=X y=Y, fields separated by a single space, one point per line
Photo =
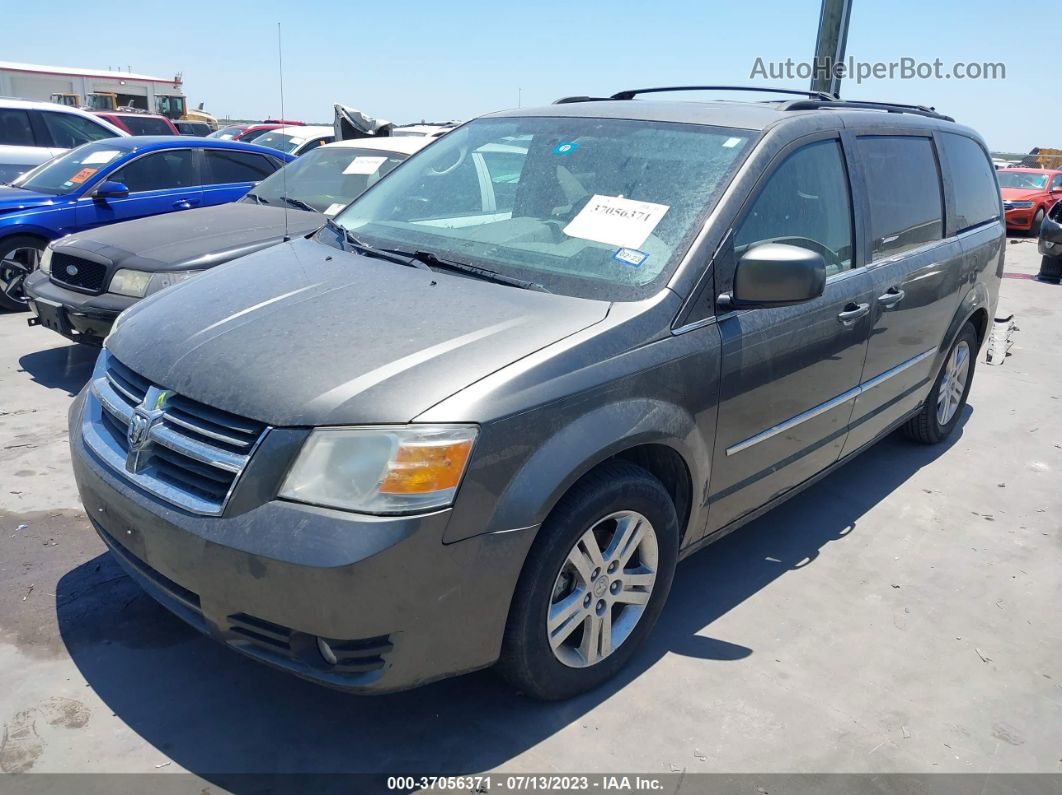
x=941 y=411
x=20 y=255
x=1037 y=222
x=593 y=585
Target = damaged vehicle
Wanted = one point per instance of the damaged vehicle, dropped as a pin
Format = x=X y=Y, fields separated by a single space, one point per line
x=477 y=418
x=1050 y=246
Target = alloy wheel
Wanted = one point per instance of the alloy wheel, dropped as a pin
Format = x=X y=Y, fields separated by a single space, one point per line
x=953 y=385
x=15 y=265
x=602 y=588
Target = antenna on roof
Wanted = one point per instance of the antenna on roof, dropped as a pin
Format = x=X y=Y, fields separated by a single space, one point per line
x=284 y=174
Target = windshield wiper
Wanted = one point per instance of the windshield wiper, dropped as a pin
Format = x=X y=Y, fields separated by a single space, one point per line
x=366 y=250
x=298 y=204
x=486 y=274
x=256 y=197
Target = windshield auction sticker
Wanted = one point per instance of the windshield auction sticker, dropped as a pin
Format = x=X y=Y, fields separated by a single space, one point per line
x=616 y=221
x=101 y=156
x=83 y=175
x=334 y=209
x=364 y=165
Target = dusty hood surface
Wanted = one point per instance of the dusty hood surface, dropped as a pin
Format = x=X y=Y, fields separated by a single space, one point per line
x=1019 y=194
x=190 y=239
x=304 y=334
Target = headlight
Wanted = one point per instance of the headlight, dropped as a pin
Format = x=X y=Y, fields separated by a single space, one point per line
x=130 y=282
x=137 y=284
x=160 y=281
x=386 y=470
x=1021 y=205
x=46 y=260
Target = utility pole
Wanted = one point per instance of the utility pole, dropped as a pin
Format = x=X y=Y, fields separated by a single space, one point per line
x=831 y=44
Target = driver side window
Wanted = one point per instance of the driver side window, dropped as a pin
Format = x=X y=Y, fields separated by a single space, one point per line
x=806 y=203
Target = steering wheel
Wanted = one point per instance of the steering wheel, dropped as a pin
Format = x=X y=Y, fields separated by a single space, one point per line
x=462 y=154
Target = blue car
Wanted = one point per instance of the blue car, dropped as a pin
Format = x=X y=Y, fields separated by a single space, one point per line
x=118 y=179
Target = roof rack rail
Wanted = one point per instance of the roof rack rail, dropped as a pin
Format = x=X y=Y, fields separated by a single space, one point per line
x=843 y=104
x=822 y=95
x=819 y=95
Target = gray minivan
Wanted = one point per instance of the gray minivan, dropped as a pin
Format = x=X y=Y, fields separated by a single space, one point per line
x=480 y=415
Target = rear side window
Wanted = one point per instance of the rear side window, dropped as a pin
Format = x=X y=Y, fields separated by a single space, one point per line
x=230 y=166
x=69 y=130
x=141 y=125
x=974 y=181
x=15 y=128
x=804 y=203
x=169 y=169
x=906 y=206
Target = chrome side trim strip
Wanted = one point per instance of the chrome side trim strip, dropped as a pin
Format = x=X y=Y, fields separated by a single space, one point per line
x=833 y=403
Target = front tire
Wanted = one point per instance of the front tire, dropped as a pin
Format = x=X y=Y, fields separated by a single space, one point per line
x=593 y=585
x=1037 y=222
x=942 y=409
x=20 y=255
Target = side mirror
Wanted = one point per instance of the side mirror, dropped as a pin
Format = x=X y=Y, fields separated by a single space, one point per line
x=109 y=189
x=777 y=274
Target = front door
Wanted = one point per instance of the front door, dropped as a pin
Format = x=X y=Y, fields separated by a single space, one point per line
x=789 y=374
x=158 y=182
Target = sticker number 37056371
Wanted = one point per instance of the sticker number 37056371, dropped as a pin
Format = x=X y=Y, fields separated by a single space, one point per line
x=616 y=221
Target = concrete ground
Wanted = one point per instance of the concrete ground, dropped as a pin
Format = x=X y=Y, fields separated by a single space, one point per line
x=902 y=615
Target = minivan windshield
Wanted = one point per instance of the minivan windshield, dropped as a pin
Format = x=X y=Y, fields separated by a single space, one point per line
x=1023 y=180
x=69 y=172
x=327 y=179
x=591 y=207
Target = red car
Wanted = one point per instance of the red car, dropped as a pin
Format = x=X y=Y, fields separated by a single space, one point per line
x=245 y=132
x=1028 y=196
x=140 y=123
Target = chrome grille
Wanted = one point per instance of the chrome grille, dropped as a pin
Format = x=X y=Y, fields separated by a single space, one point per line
x=183 y=451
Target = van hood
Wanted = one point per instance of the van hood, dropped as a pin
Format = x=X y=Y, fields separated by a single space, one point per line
x=303 y=334
x=200 y=238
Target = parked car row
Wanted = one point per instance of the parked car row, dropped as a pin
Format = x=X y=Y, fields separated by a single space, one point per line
x=539 y=359
x=86 y=279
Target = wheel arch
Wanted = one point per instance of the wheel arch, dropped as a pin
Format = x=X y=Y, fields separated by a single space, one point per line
x=660 y=437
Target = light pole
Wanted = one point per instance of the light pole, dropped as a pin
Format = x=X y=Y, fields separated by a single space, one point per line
x=830 y=46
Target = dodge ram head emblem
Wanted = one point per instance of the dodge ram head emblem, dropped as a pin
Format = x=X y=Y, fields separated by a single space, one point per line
x=138 y=435
x=71 y=270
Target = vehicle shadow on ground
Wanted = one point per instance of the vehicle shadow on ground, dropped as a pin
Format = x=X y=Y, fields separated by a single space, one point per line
x=68 y=368
x=217 y=714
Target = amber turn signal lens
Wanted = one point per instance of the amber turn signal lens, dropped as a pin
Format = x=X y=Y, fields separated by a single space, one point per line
x=424 y=468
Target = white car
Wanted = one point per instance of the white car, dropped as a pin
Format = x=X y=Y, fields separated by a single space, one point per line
x=32 y=132
x=426 y=130
x=296 y=139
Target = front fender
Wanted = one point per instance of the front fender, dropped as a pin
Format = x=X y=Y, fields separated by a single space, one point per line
x=557 y=462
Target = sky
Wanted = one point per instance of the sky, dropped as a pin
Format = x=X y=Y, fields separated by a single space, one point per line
x=426 y=59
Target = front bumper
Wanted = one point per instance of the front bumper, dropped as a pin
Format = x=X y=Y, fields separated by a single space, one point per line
x=393 y=605
x=1020 y=218
x=77 y=316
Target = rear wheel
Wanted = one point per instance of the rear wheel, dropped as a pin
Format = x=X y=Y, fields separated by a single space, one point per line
x=20 y=255
x=593 y=585
x=941 y=411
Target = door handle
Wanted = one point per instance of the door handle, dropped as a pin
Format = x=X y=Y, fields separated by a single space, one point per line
x=891 y=297
x=852 y=313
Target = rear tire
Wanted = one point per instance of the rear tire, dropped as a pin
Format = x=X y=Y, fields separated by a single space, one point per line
x=943 y=407
x=1050 y=270
x=20 y=255
x=556 y=644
